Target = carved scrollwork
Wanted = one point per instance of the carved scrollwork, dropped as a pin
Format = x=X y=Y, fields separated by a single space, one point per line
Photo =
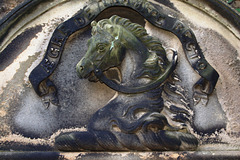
x=133 y=122
x=143 y=126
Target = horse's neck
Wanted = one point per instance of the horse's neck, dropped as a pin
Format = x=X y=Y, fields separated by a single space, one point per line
x=131 y=68
x=133 y=64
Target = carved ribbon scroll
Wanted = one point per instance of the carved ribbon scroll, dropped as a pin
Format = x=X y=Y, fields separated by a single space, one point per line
x=39 y=76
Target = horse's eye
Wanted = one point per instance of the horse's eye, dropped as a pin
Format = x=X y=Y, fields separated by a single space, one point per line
x=101 y=47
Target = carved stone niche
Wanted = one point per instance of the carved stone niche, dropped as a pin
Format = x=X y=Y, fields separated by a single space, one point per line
x=139 y=76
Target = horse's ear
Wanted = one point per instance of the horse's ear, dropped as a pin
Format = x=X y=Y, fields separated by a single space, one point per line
x=94 y=23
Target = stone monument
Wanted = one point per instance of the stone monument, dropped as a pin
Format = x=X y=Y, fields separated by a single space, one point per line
x=138 y=76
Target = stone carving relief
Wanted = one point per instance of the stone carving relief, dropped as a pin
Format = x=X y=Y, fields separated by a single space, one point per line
x=150 y=111
x=119 y=75
x=133 y=119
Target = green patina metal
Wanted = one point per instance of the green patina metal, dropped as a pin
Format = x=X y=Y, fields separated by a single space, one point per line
x=111 y=38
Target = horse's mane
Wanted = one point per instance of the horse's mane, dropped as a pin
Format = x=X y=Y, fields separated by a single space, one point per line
x=157 y=61
x=174 y=95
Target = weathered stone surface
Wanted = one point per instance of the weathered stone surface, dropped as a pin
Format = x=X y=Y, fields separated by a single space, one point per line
x=27 y=120
x=7 y=6
x=215 y=155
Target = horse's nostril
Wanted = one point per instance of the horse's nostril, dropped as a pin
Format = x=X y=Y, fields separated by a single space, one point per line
x=81 y=68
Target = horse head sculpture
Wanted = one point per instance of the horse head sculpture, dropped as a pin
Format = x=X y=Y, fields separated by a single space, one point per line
x=107 y=47
x=133 y=119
